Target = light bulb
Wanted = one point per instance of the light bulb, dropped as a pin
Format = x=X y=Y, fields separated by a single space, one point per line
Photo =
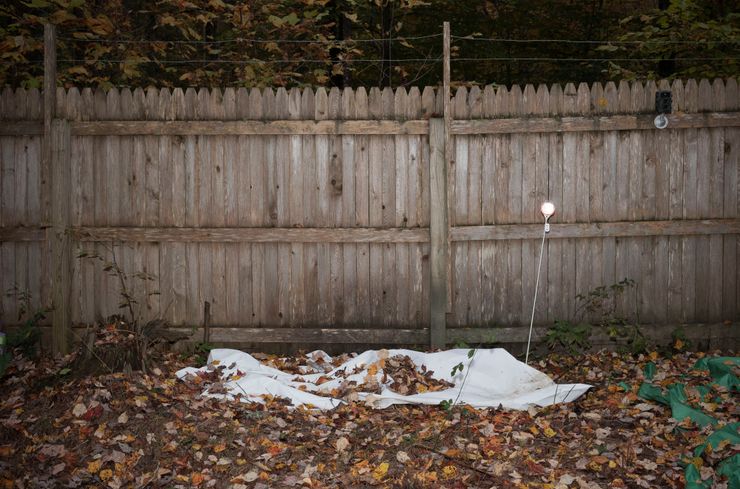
x=547 y=209
x=661 y=121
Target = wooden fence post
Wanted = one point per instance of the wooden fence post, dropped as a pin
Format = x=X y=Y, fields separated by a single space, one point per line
x=438 y=233
x=50 y=94
x=60 y=240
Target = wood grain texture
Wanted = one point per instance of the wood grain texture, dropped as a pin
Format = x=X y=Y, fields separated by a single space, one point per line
x=301 y=208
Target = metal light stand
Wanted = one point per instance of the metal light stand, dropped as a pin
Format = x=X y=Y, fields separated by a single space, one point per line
x=547 y=209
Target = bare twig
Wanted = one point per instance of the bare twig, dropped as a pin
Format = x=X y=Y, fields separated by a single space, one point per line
x=92 y=351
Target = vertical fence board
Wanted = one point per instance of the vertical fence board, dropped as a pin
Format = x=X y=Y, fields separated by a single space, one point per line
x=382 y=181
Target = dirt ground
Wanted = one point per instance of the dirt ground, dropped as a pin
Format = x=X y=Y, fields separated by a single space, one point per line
x=118 y=430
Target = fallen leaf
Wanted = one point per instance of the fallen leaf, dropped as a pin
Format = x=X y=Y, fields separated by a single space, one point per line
x=342 y=444
x=380 y=471
x=403 y=457
x=79 y=410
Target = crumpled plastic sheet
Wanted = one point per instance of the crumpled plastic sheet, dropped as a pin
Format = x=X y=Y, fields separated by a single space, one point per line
x=495 y=378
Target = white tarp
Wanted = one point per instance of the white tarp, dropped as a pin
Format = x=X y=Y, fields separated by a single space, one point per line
x=495 y=378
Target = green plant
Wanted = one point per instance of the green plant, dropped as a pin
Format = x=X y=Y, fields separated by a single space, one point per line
x=448 y=404
x=25 y=338
x=144 y=335
x=202 y=349
x=574 y=338
x=598 y=308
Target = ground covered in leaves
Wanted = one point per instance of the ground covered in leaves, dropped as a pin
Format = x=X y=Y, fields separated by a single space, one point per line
x=117 y=430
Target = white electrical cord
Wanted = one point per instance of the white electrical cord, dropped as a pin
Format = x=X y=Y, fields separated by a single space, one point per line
x=536 y=287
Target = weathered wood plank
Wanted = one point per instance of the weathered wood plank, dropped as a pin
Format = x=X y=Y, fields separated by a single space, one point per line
x=438 y=233
x=233 y=128
x=60 y=241
x=589 y=123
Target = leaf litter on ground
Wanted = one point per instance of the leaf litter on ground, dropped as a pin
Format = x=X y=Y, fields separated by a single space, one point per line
x=118 y=430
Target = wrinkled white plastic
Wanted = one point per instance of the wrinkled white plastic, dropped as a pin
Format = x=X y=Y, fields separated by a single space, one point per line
x=495 y=378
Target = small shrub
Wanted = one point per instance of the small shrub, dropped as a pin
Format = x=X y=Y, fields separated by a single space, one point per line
x=573 y=338
x=598 y=309
x=26 y=338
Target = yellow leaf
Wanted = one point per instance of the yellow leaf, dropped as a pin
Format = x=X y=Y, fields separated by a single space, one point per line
x=380 y=471
x=534 y=430
x=549 y=432
x=372 y=369
x=94 y=466
x=106 y=474
x=219 y=448
x=612 y=464
x=450 y=471
x=678 y=344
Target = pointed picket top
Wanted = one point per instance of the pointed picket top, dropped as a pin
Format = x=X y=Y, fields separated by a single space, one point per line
x=87 y=111
x=459 y=103
x=718 y=95
x=113 y=104
x=413 y=103
x=127 y=105
x=282 y=104
x=516 y=101
x=637 y=97
x=705 y=96
x=583 y=99
x=501 y=102
x=321 y=104
x=21 y=103
x=624 y=97
x=191 y=102
x=361 y=107
x=229 y=104
x=72 y=105
x=255 y=104
x=529 y=102
x=691 y=96
x=348 y=104
x=677 y=92
x=387 y=102
x=428 y=102
x=475 y=102
x=335 y=103
x=242 y=103
x=399 y=103
x=598 y=101
x=542 y=100
x=178 y=103
x=138 y=102
x=556 y=99
x=731 y=94
x=201 y=107
x=649 y=91
x=269 y=111
x=611 y=95
x=36 y=105
x=307 y=104
x=570 y=99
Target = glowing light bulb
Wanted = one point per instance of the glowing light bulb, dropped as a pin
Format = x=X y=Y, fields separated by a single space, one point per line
x=547 y=209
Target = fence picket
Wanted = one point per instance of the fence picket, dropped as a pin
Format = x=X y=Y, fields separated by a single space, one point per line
x=368 y=187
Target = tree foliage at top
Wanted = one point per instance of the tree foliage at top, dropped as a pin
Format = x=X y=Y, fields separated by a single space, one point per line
x=364 y=42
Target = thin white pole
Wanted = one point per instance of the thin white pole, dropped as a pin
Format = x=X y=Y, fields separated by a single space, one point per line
x=536 y=288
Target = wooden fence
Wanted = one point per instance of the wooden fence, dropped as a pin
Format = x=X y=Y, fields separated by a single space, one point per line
x=320 y=216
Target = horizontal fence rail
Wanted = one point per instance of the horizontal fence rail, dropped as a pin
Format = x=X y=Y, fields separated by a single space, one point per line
x=331 y=216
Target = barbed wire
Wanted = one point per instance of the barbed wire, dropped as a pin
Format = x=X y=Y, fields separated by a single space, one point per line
x=245 y=61
x=592 y=59
x=248 y=40
x=590 y=41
